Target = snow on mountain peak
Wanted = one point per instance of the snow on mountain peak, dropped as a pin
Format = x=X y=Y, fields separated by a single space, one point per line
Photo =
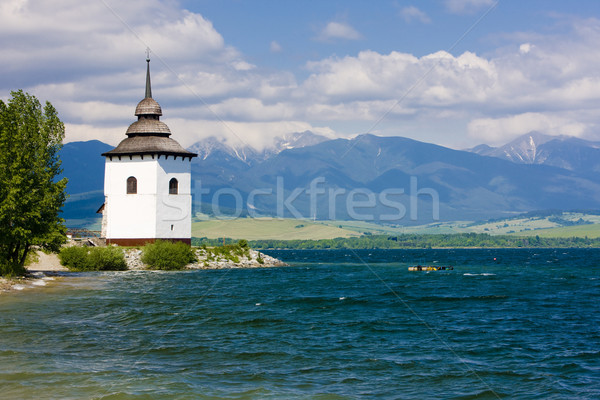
x=248 y=154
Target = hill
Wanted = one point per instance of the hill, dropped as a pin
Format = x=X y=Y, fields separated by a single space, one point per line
x=84 y=167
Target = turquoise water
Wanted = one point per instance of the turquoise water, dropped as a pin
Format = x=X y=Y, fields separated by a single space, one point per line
x=334 y=325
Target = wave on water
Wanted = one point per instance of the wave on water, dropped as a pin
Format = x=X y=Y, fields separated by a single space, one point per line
x=40 y=279
x=326 y=328
x=481 y=274
x=463 y=298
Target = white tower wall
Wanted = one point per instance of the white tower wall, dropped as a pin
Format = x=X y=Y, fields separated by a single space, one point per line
x=152 y=212
x=174 y=211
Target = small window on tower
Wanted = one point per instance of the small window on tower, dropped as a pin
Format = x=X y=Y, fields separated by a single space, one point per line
x=173 y=186
x=131 y=185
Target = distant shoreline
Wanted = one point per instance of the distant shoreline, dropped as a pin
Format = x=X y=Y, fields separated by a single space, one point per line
x=425 y=241
x=430 y=248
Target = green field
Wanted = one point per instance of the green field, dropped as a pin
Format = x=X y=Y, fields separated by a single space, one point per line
x=362 y=227
x=289 y=229
x=556 y=225
x=591 y=231
x=267 y=228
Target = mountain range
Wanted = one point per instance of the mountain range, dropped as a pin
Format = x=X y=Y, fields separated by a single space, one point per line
x=392 y=180
x=566 y=152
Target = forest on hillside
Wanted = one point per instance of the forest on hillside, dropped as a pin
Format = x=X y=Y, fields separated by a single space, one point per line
x=415 y=241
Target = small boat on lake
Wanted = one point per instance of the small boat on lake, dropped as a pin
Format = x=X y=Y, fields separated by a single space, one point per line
x=430 y=268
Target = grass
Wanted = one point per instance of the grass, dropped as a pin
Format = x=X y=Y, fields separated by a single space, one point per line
x=288 y=229
x=268 y=228
x=512 y=226
x=591 y=231
x=361 y=227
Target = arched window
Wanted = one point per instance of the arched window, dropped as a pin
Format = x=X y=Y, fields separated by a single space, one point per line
x=173 y=186
x=131 y=185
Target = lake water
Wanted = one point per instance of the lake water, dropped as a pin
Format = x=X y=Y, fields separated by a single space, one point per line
x=334 y=325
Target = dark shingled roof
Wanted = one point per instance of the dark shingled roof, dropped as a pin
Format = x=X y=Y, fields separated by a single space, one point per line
x=148 y=126
x=148 y=135
x=140 y=145
x=148 y=106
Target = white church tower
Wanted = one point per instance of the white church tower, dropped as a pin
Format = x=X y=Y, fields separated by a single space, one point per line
x=147 y=182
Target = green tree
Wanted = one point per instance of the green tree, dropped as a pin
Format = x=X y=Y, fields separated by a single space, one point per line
x=31 y=195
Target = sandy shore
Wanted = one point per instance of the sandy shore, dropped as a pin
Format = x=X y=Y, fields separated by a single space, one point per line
x=47 y=266
x=45 y=269
x=46 y=262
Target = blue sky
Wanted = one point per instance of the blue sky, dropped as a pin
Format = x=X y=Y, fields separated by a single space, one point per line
x=417 y=27
x=452 y=72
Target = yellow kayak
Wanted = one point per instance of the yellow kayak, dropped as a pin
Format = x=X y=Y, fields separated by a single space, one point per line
x=430 y=268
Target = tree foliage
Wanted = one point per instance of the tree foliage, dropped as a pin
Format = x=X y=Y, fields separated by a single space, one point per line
x=420 y=241
x=31 y=195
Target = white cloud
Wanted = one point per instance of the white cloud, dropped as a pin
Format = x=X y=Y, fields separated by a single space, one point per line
x=549 y=84
x=83 y=132
x=275 y=47
x=338 y=30
x=256 y=134
x=412 y=13
x=467 y=6
x=525 y=48
x=426 y=80
x=499 y=131
x=91 y=67
x=251 y=109
x=91 y=38
x=241 y=65
x=356 y=110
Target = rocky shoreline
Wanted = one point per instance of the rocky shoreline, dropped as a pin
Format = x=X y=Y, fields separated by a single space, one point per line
x=48 y=266
x=204 y=260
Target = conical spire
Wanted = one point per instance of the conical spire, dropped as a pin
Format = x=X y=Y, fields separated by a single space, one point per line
x=148 y=135
x=148 y=86
x=148 y=107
